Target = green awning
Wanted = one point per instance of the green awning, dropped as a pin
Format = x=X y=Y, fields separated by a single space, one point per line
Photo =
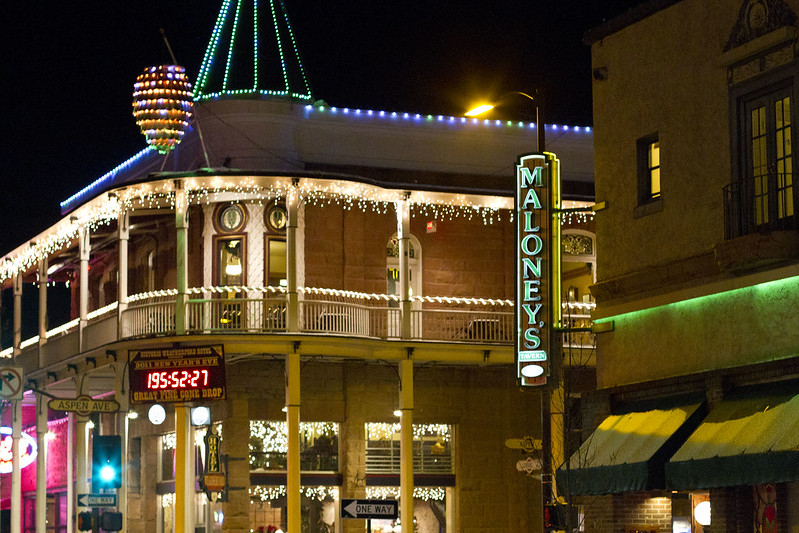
x=627 y=452
x=743 y=441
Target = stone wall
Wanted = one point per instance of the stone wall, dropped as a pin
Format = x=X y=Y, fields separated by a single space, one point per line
x=659 y=82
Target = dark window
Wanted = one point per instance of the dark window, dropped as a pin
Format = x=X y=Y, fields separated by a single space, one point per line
x=648 y=169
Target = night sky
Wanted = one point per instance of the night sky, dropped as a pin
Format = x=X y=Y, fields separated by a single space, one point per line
x=68 y=70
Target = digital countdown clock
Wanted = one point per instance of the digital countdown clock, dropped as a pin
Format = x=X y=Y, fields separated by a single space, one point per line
x=195 y=373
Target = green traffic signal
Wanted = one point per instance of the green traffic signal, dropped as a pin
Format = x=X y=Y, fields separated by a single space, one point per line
x=106 y=462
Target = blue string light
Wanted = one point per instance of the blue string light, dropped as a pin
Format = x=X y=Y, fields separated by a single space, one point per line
x=106 y=179
x=438 y=118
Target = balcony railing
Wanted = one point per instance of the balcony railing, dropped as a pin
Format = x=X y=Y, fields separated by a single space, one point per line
x=386 y=459
x=324 y=311
x=762 y=203
x=320 y=311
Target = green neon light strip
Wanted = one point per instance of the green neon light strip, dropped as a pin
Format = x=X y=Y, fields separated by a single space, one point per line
x=768 y=289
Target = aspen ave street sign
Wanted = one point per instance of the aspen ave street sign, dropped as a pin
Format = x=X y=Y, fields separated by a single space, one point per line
x=83 y=405
x=366 y=509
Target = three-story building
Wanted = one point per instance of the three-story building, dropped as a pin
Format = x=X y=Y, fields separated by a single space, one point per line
x=335 y=284
x=698 y=278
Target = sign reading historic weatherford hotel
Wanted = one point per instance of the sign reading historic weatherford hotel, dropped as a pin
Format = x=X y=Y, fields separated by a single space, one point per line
x=177 y=374
x=537 y=198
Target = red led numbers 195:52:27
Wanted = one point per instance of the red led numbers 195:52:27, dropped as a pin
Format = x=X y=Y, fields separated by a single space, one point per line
x=177 y=379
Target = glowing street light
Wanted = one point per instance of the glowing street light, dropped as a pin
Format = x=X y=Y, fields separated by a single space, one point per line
x=479 y=110
x=538 y=100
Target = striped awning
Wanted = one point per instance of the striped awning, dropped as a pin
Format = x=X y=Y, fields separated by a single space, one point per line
x=628 y=452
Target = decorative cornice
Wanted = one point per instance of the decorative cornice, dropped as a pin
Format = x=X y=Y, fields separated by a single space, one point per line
x=757 y=18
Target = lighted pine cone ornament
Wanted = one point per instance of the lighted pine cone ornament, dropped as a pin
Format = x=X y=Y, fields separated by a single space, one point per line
x=163 y=105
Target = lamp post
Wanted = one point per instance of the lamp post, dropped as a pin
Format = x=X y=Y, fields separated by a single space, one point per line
x=547 y=493
x=537 y=99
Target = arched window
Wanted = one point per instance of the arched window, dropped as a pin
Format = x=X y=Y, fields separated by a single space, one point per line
x=578 y=264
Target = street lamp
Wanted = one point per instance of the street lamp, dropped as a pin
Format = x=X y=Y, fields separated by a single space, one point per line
x=537 y=99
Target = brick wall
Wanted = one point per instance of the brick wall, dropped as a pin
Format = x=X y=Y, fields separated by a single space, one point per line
x=616 y=513
x=347 y=249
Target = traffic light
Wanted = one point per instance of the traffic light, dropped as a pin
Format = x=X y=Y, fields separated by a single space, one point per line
x=556 y=516
x=85 y=521
x=106 y=462
x=111 y=521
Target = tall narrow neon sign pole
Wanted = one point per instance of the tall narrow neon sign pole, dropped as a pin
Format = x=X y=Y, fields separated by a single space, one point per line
x=537 y=265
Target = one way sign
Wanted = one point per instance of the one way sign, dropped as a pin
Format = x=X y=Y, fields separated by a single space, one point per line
x=97 y=500
x=369 y=508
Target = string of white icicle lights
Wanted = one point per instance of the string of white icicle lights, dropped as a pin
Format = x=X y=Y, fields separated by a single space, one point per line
x=274 y=434
x=273 y=492
x=393 y=493
x=106 y=208
x=386 y=431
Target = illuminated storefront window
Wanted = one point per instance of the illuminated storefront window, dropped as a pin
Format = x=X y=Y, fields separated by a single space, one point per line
x=269 y=446
x=318 y=508
x=432 y=448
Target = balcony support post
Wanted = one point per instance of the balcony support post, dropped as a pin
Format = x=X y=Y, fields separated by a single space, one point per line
x=181 y=231
x=406 y=442
x=292 y=298
x=41 y=462
x=184 y=469
x=123 y=234
x=293 y=434
x=16 y=475
x=85 y=248
x=17 y=341
x=80 y=424
x=404 y=238
x=43 y=265
x=123 y=424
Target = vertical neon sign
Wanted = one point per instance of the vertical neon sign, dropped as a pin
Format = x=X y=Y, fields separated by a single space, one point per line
x=537 y=265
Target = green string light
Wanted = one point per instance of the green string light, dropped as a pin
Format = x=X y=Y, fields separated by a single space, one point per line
x=287 y=50
x=232 y=43
x=210 y=51
x=255 y=47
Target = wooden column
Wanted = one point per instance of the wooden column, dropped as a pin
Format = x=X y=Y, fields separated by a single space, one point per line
x=123 y=234
x=406 y=443
x=293 y=430
x=85 y=249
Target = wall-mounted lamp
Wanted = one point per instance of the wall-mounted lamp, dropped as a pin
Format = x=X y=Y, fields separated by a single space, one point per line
x=157 y=414
x=200 y=416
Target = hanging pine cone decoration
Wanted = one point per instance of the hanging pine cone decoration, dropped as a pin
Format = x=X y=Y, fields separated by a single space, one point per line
x=162 y=105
